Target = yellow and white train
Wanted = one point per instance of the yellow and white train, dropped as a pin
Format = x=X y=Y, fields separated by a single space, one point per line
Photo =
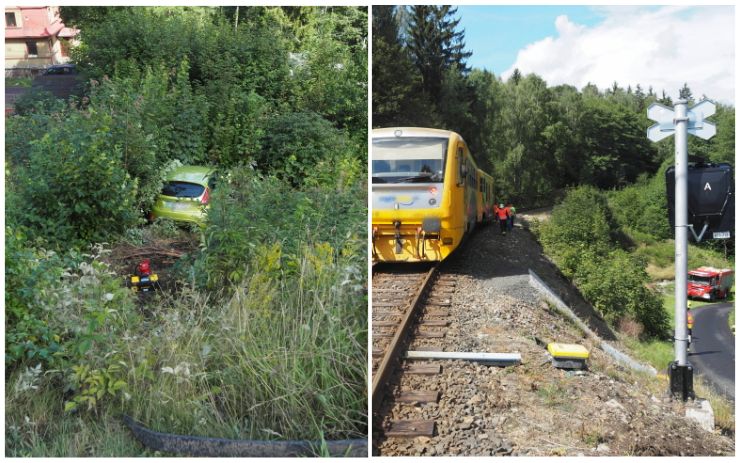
x=427 y=194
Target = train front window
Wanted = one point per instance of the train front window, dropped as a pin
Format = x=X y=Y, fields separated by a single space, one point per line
x=408 y=159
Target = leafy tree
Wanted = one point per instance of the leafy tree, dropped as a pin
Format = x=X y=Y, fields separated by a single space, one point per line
x=335 y=75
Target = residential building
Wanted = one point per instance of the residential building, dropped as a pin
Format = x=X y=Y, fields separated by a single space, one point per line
x=35 y=37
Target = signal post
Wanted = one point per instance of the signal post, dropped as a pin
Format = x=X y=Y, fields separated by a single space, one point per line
x=681 y=121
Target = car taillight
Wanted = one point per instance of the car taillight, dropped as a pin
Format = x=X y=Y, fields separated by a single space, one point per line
x=205 y=198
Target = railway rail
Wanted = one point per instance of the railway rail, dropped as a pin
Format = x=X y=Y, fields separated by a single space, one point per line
x=410 y=305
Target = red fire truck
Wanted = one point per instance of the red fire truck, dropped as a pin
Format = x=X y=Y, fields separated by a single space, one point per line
x=710 y=283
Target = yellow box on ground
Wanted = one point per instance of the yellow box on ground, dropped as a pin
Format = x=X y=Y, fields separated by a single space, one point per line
x=567 y=351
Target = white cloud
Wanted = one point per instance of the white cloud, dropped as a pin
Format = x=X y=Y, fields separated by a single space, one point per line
x=662 y=47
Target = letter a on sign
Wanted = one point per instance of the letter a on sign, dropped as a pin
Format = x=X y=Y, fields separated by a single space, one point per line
x=707 y=187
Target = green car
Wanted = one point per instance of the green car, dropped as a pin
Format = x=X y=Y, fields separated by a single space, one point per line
x=185 y=195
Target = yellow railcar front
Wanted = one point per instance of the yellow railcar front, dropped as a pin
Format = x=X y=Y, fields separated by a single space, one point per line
x=424 y=194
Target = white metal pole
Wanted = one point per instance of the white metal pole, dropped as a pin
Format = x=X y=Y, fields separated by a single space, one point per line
x=681 y=226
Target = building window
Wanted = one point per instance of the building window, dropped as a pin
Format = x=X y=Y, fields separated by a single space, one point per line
x=33 y=50
x=10 y=20
x=64 y=47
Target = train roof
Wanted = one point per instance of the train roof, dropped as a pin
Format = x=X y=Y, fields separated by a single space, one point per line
x=413 y=132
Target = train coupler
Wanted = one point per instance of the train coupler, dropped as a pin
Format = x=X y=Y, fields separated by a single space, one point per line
x=397 y=236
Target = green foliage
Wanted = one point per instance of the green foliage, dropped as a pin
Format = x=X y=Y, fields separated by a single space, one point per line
x=237 y=127
x=334 y=77
x=24 y=82
x=93 y=385
x=296 y=143
x=396 y=82
x=643 y=207
x=581 y=237
x=74 y=187
x=28 y=274
x=435 y=44
x=583 y=221
x=615 y=285
x=247 y=210
x=38 y=101
x=63 y=314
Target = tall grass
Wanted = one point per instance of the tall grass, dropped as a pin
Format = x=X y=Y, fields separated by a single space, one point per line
x=281 y=357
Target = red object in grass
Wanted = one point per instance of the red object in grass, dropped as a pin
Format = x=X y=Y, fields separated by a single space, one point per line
x=144 y=268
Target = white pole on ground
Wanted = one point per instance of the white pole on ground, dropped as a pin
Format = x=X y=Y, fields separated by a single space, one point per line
x=681 y=224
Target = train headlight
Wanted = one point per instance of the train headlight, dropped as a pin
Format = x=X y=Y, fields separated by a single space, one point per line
x=433 y=190
x=432 y=201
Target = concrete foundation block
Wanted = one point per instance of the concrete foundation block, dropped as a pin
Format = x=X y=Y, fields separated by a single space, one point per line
x=701 y=412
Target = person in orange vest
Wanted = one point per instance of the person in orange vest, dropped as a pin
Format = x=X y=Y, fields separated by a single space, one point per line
x=502 y=214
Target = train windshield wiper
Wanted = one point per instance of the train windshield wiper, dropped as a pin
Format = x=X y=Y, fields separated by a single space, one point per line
x=415 y=178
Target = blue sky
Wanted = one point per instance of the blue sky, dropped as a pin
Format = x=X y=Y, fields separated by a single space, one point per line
x=659 y=46
x=496 y=33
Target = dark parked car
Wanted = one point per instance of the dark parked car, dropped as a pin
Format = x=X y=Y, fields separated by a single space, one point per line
x=60 y=69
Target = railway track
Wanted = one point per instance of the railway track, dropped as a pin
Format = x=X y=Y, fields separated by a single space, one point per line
x=410 y=305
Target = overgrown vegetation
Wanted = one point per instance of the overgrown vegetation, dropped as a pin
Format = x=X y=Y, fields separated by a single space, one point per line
x=537 y=140
x=583 y=238
x=266 y=335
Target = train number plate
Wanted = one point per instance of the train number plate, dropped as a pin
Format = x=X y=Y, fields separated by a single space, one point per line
x=721 y=235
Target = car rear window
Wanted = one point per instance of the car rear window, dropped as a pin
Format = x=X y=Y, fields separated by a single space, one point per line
x=182 y=189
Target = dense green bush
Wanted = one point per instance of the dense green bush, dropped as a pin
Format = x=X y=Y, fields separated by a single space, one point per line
x=643 y=207
x=64 y=314
x=581 y=237
x=295 y=144
x=74 y=187
x=38 y=101
x=29 y=273
x=615 y=285
x=248 y=209
x=582 y=222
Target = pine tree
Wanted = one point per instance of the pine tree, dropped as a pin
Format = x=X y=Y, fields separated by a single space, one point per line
x=453 y=40
x=435 y=45
x=396 y=96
